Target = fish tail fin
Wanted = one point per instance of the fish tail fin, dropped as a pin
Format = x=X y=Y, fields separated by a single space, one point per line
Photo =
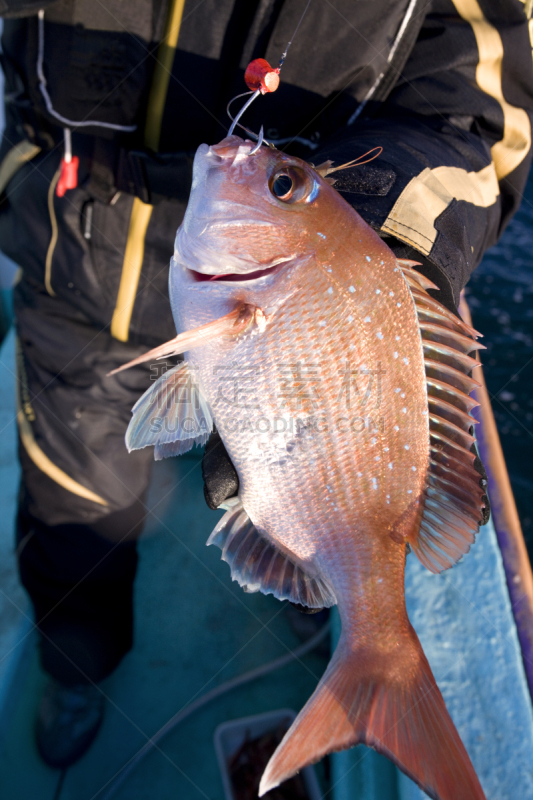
x=390 y=703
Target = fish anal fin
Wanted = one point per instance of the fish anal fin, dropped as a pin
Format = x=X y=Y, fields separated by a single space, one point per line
x=367 y=697
x=172 y=415
x=259 y=566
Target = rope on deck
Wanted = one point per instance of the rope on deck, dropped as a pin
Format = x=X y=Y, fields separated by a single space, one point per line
x=118 y=779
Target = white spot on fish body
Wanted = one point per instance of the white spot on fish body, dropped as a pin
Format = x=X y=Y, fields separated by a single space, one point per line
x=397 y=390
x=409 y=491
x=390 y=464
x=383 y=263
x=351 y=289
x=322 y=235
x=379 y=335
x=373 y=441
x=397 y=338
x=414 y=469
x=405 y=360
x=368 y=319
x=322 y=323
x=367 y=258
x=359 y=474
x=377 y=458
x=330 y=290
x=378 y=291
x=402 y=395
x=395 y=354
x=398 y=304
x=404 y=410
x=374 y=483
x=391 y=294
x=406 y=446
x=386 y=449
x=350 y=318
x=396 y=428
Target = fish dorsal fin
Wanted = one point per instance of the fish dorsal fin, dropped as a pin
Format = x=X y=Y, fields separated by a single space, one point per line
x=172 y=414
x=453 y=498
x=258 y=566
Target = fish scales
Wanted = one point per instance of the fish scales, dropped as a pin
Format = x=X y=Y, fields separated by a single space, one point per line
x=268 y=492
x=311 y=327
x=309 y=355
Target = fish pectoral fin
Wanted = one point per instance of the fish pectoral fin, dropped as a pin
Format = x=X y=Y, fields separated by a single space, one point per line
x=258 y=566
x=237 y=322
x=364 y=697
x=172 y=415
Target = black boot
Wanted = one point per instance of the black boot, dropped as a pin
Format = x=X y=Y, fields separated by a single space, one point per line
x=68 y=719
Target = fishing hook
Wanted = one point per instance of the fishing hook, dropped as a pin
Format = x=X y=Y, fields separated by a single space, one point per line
x=258 y=145
x=235 y=121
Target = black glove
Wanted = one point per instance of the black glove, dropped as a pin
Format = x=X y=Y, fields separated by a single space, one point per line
x=220 y=479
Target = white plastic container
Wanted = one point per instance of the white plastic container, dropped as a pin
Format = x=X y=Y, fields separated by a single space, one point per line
x=230 y=736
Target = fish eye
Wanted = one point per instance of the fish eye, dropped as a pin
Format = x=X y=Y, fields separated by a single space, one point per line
x=291 y=185
x=282 y=186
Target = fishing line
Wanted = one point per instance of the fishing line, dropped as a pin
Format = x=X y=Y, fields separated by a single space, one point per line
x=60 y=784
x=261 y=78
x=227 y=686
x=284 y=55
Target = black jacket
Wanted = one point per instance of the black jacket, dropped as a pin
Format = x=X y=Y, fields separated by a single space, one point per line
x=446 y=88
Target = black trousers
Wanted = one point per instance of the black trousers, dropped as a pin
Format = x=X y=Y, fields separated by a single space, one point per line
x=82 y=495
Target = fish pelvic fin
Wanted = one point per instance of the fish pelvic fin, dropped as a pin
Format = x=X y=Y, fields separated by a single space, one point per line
x=390 y=702
x=259 y=566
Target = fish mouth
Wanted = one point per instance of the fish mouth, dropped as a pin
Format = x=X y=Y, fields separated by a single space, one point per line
x=238 y=277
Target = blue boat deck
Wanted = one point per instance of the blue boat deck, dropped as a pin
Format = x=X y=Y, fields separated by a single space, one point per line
x=196 y=629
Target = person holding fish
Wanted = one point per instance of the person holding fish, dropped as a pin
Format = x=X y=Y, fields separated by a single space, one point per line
x=105 y=107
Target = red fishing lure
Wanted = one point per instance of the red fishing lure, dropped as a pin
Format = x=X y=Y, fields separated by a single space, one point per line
x=261 y=76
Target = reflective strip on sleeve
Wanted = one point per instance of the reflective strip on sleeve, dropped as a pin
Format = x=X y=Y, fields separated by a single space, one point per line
x=508 y=153
x=426 y=196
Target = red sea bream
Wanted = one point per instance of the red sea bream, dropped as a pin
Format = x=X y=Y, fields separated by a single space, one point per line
x=340 y=389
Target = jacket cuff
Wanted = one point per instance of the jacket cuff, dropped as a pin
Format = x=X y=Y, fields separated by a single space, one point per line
x=436 y=275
